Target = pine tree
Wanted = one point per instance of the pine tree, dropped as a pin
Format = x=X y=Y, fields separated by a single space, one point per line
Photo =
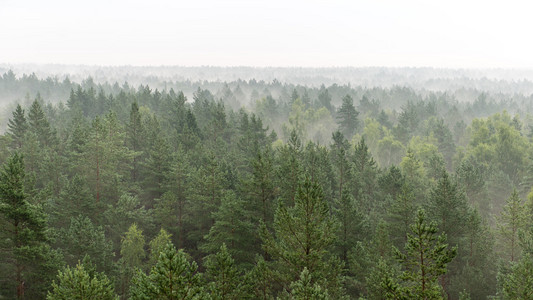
x=135 y=142
x=38 y=124
x=365 y=177
x=17 y=127
x=304 y=289
x=448 y=206
x=513 y=218
x=339 y=157
x=425 y=259
x=400 y=214
x=303 y=233
x=260 y=280
x=232 y=227
x=221 y=272
x=290 y=168
x=382 y=281
x=517 y=284
x=78 y=283
x=23 y=239
x=173 y=208
x=347 y=117
x=261 y=186
x=173 y=277
x=83 y=238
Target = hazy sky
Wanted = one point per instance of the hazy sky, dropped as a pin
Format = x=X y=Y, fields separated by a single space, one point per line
x=268 y=33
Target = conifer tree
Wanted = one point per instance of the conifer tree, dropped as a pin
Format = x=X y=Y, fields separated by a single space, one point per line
x=232 y=227
x=261 y=186
x=425 y=259
x=23 y=240
x=173 y=208
x=513 y=218
x=223 y=275
x=304 y=289
x=517 y=284
x=173 y=277
x=77 y=283
x=17 y=127
x=38 y=124
x=347 y=117
x=365 y=177
x=449 y=208
x=135 y=135
x=303 y=233
x=83 y=238
x=260 y=280
x=290 y=168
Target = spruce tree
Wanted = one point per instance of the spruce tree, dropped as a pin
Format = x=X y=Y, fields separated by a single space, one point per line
x=17 y=127
x=38 y=124
x=23 y=239
x=347 y=117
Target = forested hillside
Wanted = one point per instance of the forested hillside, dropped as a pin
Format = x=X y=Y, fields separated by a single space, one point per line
x=252 y=189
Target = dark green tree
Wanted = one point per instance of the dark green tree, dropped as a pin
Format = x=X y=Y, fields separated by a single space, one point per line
x=425 y=259
x=23 y=239
x=39 y=125
x=17 y=127
x=303 y=234
x=223 y=276
x=232 y=227
x=347 y=117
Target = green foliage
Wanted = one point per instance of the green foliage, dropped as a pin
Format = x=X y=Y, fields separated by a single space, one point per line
x=304 y=289
x=132 y=247
x=303 y=234
x=232 y=227
x=173 y=277
x=221 y=272
x=23 y=239
x=347 y=117
x=17 y=127
x=425 y=259
x=158 y=245
x=79 y=283
x=517 y=284
x=83 y=238
x=512 y=219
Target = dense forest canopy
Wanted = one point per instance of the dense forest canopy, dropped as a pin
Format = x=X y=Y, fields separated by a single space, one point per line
x=250 y=183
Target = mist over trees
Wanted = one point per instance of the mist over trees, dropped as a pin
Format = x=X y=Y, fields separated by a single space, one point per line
x=250 y=183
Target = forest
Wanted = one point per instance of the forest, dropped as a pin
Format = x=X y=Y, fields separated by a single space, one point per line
x=234 y=187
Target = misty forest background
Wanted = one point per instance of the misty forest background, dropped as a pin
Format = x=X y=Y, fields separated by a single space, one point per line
x=243 y=183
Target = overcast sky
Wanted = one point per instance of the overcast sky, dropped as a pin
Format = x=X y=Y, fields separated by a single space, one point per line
x=465 y=34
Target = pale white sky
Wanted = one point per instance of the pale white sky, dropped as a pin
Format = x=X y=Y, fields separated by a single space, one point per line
x=464 y=34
